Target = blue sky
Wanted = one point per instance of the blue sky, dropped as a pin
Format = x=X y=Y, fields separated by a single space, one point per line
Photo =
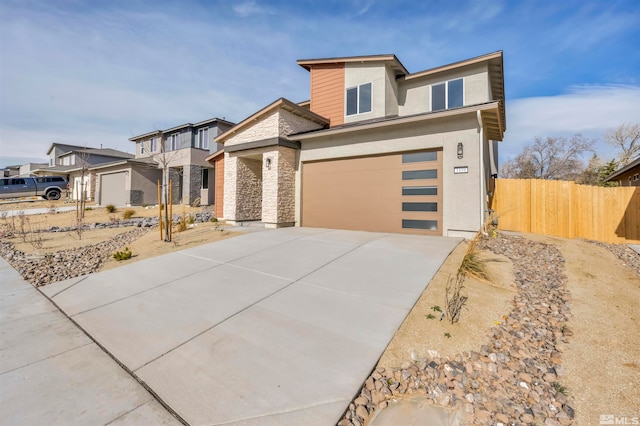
x=98 y=72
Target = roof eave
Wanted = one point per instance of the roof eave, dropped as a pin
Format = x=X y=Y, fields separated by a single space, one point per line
x=397 y=121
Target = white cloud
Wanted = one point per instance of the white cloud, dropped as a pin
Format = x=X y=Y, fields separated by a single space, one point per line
x=589 y=110
x=250 y=8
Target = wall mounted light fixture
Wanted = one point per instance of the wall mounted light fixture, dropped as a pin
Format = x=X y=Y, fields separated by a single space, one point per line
x=267 y=163
x=460 y=150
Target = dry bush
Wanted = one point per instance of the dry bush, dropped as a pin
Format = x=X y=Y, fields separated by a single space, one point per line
x=454 y=301
x=128 y=214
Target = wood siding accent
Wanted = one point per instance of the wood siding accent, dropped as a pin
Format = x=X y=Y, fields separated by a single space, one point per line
x=219 y=185
x=565 y=209
x=327 y=92
x=365 y=194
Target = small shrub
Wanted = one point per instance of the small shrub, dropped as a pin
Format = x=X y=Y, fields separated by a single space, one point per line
x=430 y=316
x=122 y=255
x=436 y=308
x=127 y=214
x=88 y=209
x=145 y=206
x=559 y=388
x=214 y=219
x=447 y=335
x=191 y=220
x=182 y=225
x=111 y=208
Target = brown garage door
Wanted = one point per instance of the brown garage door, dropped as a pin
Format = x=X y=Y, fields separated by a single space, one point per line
x=112 y=189
x=387 y=193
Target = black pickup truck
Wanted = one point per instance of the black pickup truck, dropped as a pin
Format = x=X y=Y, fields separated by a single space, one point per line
x=47 y=187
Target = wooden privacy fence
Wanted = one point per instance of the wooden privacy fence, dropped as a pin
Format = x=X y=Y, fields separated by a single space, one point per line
x=565 y=209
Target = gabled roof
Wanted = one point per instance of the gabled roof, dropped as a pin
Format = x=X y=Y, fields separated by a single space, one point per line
x=280 y=103
x=107 y=152
x=396 y=64
x=66 y=145
x=635 y=163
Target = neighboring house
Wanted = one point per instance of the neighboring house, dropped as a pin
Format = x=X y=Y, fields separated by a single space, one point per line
x=628 y=175
x=76 y=164
x=184 y=149
x=29 y=168
x=11 y=171
x=376 y=148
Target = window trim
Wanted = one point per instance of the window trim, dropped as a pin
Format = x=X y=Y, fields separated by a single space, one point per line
x=446 y=94
x=153 y=144
x=174 y=141
x=204 y=183
x=203 y=143
x=346 y=100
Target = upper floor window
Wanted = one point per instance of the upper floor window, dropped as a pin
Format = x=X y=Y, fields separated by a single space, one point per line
x=359 y=99
x=174 y=141
x=142 y=148
x=203 y=141
x=447 y=95
x=153 y=144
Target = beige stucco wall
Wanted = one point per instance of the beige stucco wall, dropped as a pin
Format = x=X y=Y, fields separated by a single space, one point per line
x=356 y=74
x=462 y=207
x=414 y=95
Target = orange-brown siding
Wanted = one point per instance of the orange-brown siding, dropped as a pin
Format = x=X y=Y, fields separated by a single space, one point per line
x=219 y=196
x=327 y=92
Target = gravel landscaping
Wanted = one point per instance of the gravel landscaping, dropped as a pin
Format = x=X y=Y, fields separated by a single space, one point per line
x=516 y=377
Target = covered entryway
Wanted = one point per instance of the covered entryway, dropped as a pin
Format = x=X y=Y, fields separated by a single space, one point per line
x=387 y=193
x=112 y=189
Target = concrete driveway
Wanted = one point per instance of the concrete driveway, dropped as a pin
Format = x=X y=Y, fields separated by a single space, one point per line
x=274 y=327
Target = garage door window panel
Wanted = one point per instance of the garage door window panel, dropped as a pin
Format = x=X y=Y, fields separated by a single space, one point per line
x=431 y=225
x=419 y=207
x=416 y=157
x=419 y=174
x=419 y=190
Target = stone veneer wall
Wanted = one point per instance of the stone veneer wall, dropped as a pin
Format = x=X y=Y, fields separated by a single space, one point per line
x=264 y=129
x=278 y=189
x=248 y=189
x=290 y=123
x=192 y=183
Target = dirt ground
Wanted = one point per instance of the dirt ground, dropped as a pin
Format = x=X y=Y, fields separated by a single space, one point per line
x=149 y=245
x=602 y=360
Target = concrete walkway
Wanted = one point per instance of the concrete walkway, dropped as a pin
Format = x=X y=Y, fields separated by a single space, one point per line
x=52 y=373
x=274 y=327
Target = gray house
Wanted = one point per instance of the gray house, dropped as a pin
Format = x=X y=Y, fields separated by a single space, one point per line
x=184 y=149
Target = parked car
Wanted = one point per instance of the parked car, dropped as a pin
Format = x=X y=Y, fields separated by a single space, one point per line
x=47 y=187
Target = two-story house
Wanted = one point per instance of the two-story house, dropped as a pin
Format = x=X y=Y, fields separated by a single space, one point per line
x=76 y=163
x=183 y=151
x=376 y=148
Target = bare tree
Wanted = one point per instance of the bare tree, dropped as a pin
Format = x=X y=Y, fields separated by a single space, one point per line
x=626 y=139
x=556 y=158
x=163 y=158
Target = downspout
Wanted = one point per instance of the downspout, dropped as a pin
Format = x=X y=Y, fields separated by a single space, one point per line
x=481 y=166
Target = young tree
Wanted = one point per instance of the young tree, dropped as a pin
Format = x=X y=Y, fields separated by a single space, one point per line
x=626 y=139
x=605 y=171
x=556 y=158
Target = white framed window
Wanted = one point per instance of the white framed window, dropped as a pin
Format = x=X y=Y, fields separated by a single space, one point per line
x=203 y=138
x=141 y=147
x=358 y=99
x=174 y=141
x=449 y=94
x=636 y=176
x=153 y=144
